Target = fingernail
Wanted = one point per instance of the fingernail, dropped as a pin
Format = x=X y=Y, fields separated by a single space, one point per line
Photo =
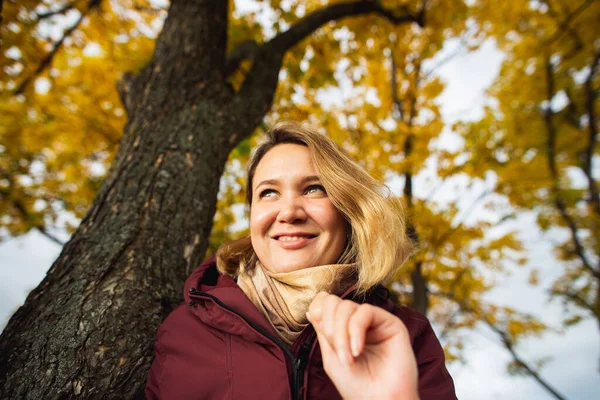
x=344 y=357
x=354 y=346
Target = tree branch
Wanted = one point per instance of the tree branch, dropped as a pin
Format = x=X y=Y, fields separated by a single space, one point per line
x=577 y=299
x=420 y=294
x=460 y=49
x=554 y=174
x=506 y=342
x=509 y=345
x=466 y=214
x=47 y=60
x=21 y=209
x=153 y=10
x=303 y=28
x=408 y=120
x=50 y=236
x=50 y=13
x=124 y=85
x=397 y=112
x=590 y=97
x=564 y=24
x=257 y=90
x=572 y=113
x=408 y=143
x=244 y=51
x=307 y=25
x=449 y=325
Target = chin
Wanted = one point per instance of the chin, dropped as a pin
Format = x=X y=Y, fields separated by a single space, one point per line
x=291 y=267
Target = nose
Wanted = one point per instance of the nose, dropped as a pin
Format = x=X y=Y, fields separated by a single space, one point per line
x=291 y=211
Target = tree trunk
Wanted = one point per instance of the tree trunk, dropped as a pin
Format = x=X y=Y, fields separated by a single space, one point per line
x=88 y=329
x=420 y=297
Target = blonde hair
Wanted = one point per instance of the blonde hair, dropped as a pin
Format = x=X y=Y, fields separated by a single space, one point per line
x=376 y=233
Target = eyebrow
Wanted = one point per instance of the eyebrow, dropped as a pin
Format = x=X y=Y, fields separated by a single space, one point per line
x=304 y=180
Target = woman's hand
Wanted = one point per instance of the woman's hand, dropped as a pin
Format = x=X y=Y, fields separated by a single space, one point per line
x=366 y=350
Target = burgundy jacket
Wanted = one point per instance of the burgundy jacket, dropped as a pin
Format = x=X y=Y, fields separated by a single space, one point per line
x=218 y=345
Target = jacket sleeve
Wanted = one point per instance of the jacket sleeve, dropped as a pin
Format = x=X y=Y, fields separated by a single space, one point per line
x=152 y=390
x=435 y=383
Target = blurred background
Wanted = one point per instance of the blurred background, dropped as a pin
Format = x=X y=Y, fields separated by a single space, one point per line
x=484 y=121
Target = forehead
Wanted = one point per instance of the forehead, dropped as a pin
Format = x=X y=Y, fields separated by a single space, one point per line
x=284 y=161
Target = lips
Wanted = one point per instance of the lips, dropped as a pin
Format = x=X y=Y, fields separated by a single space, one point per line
x=294 y=241
x=292 y=236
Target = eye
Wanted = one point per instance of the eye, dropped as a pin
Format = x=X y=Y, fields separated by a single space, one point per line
x=315 y=189
x=267 y=193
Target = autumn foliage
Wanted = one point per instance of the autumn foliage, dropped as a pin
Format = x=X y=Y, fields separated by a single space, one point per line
x=372 y=86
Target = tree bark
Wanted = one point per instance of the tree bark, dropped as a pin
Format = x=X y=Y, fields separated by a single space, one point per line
x=88 y=329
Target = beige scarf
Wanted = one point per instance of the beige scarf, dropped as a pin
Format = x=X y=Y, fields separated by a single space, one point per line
x=284 y=297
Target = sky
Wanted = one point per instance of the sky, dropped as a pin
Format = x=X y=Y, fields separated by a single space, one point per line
x=574 y=369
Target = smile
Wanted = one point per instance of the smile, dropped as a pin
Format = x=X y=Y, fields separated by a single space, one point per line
x=294 y=242
x=291 y=238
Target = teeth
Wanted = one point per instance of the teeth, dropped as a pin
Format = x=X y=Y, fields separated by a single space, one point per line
x=290 y=238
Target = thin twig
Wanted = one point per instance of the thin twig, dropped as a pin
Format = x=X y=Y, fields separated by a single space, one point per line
x=47 y=60
x=507 y=343
x=554 y=174
x=44 y=15
x=590 y=99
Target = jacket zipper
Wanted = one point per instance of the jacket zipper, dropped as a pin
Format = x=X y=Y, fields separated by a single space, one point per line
x=298 y=363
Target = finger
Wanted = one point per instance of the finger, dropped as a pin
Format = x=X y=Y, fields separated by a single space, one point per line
x=323 y=315
x=370 y=324
x=357 y=328
x=315 y=310
x=331 y=363
x=330 y=306
x=322 y=312
x=341 y=337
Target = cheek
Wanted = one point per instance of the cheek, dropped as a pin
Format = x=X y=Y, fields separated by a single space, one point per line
x=331 y=220
x=339 y=227
x=260 y=219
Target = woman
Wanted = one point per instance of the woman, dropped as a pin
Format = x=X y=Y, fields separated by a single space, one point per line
x=297 y=310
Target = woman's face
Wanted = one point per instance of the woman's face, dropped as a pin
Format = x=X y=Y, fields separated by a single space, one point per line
x=293 y=223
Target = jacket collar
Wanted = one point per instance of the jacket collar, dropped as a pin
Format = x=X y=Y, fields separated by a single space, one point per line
x=216 y=299
x=208 y=285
